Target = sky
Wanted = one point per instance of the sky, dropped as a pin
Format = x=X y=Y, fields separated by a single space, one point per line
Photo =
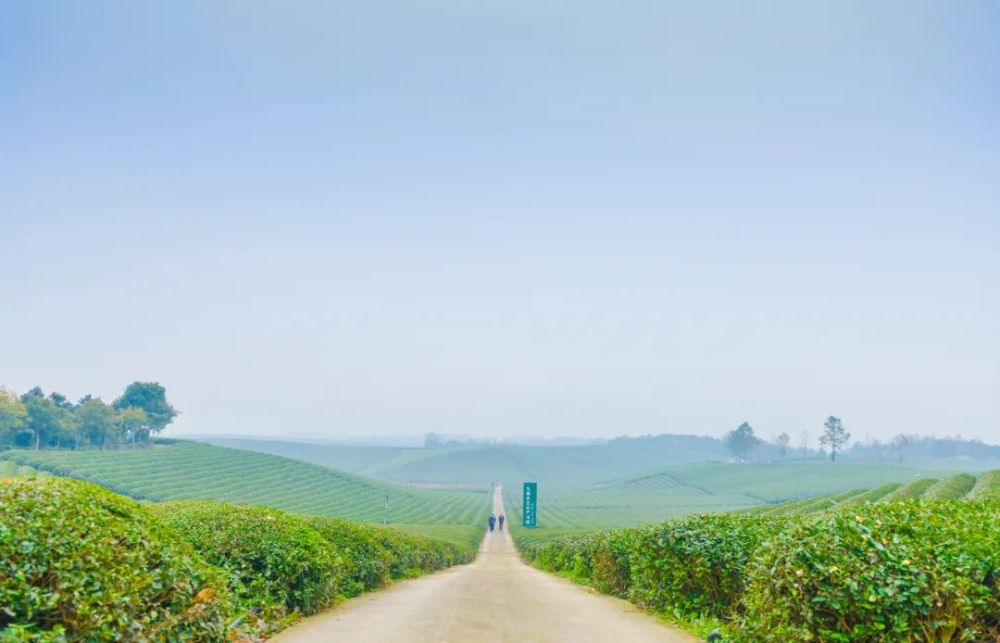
x=336 y=219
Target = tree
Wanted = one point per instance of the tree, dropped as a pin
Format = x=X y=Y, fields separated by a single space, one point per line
x=740 y=440
x=12 y=414
x=132 y=423
x=834 y=435
x=47 y=421
x=433 y=441
x=151 y=397
x=899 y=444
x=96 y=422
x=782 y=441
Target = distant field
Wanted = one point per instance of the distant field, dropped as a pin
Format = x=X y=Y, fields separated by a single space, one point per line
x=563 y=465
x=692 y=488
x=192 y=470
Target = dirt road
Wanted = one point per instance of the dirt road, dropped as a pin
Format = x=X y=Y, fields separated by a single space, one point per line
x=496 y=598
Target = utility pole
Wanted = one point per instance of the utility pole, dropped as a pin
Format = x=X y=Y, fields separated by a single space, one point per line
x=385 y=517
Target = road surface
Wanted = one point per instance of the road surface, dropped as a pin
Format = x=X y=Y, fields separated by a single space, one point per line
x=498 y=598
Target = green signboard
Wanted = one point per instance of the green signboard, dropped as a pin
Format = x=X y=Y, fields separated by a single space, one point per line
x=530 y=505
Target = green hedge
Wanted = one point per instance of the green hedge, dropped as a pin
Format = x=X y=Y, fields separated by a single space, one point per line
x=910 y=490
x=911 y=571
x=914 y=570
x=277 y=566
x=987 y=486
x=373 y=556
x=953 y=488
x=78 y=562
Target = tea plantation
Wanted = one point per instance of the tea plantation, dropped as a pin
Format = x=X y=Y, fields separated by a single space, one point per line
x=189 y=470
x=81 y=563
x=684 y=489
x=912 y=562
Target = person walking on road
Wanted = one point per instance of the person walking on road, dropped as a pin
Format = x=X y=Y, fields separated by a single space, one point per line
x=492 y=521
x=500 y=520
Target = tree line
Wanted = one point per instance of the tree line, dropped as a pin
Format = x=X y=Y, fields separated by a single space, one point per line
x=742 y=440
x=35 y=420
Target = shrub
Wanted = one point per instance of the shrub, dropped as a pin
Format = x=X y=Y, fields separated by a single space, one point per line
x=910 y=490
x=696 y=566
x=953 y=488
x=872 y=495
x=277 y=566
x=987 y=485
x=80 y=563
x=366 y=560
x=911 y=571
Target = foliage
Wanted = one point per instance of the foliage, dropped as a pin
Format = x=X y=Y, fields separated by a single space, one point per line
x=740 y=441
x=987 y=486
x=952 y=488
x=912 y=571
x=12 y=414
x=151 y=397
x=834 y=436
x=852 y=569
x=189 y=470
x=910 y=490
x=276 y=565
x=40 y=421
x=80 y=563
x=374 y=555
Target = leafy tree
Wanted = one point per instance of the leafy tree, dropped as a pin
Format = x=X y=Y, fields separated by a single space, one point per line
x=47 y=421
x=96 y=422
x=899 y=444
x=834 y=435
x=740 y=440
x=12 y=414
x=151 y=397
x=132 y=424
x=783 y=441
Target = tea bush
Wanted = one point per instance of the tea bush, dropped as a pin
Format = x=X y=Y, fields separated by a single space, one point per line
x=276 y=565
x=907 y=571
x=80 y=563
x=952 y=488
x=372 y=555
x=697 y=565
x=987 y=486
x=916 y=570
x=910 y=490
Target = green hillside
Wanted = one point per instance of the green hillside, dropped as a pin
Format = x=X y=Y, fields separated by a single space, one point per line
x=511 y=464
x=957 y=487
x=187 y=470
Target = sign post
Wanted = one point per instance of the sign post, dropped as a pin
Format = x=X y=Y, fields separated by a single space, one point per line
x=529 y=507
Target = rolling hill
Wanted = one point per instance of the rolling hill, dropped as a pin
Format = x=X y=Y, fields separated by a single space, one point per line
x=187 y=470
x=508 y=463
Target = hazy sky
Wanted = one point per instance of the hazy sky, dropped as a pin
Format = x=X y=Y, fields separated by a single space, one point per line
x=549 y=218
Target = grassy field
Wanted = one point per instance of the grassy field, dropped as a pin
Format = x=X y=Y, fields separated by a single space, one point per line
x=188 y=470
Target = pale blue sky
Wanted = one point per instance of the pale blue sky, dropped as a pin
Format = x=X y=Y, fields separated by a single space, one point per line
x=548 y=218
